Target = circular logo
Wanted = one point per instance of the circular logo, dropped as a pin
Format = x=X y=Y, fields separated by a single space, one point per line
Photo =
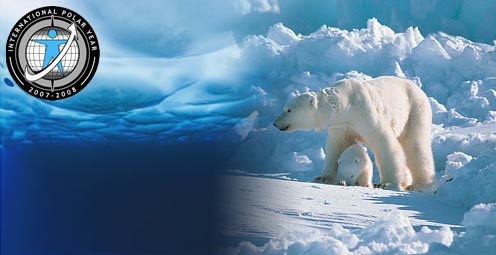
x=52 y=53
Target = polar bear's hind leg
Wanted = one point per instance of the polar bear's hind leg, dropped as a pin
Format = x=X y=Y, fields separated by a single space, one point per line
x=418 y=152
x=390 y=160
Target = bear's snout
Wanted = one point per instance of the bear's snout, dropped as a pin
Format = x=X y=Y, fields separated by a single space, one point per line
x=281 y=128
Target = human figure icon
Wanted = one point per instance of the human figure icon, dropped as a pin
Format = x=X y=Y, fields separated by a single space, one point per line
x=52 y=49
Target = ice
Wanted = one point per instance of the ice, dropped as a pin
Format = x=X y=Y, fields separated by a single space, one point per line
x=468 y=102
x=245 y=126
x=393 y=234
x=455 y=161
x=439 y=112
x=248 y=6
x=481 y=215
x=456 y=119
x=282 y=35
x=125 y=103
x=471 y=183
x=480 y=236
x=324 y=219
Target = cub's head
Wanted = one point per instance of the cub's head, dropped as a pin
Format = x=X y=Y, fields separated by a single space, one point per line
x=299 y=114
x=352 y=162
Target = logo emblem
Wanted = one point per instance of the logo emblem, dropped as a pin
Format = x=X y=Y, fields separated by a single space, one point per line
x=52 y=53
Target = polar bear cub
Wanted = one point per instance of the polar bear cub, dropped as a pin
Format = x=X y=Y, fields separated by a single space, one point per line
x=355 y=167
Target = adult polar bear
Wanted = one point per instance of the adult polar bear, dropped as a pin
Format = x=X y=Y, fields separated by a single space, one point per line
x=392 y=116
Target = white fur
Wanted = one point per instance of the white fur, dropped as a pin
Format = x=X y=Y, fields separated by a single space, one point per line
x=355 y=167
x=391 y=116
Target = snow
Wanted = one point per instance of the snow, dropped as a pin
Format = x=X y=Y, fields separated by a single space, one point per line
x=472 y=183
x=307 y=218
x=480 y=237
x=286 y=203
x=455 y=161
x=276 y=216
x=481 y=215
x=282 y=35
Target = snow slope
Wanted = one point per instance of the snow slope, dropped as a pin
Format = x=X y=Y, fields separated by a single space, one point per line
x=468 y=157
x=305 y=218
x=272 y=206
x=273 y=216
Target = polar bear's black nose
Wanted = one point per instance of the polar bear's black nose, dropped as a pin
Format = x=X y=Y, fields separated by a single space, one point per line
x=274 y=124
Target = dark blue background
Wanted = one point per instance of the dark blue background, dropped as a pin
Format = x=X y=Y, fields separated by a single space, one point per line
x=109 y=199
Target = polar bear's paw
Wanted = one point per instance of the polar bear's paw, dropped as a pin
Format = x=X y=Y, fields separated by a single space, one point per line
x=388 y=186
x=421 y=188
x=324 y=180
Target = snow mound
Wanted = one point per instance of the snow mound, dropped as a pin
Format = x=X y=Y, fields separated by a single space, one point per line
x=393 y=234
x=481 y=215
x=454 y=71
x=480 y=237
x=470 y=181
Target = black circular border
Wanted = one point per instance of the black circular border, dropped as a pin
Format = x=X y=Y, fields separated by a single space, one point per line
x=80 y=82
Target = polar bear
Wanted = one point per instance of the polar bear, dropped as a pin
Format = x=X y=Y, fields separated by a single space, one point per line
x=355 y=167
x=390 y=115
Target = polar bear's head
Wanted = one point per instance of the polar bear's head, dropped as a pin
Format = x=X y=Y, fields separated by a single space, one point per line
x=300 y=113
x=352 y=162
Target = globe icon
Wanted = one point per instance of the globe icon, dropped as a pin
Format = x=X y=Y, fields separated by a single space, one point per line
x=36 y=52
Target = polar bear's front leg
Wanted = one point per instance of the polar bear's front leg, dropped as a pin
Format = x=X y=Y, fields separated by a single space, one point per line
x=337 y=141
